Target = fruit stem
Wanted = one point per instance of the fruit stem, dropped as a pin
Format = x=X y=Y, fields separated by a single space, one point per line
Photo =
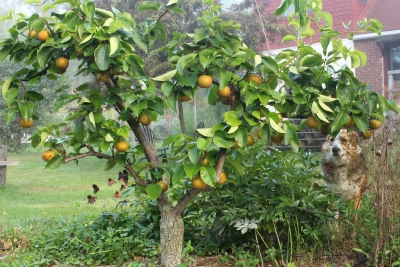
x=48 y=27
x=22 y=84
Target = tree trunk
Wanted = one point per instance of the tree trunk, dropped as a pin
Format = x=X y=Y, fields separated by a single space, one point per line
x=171 y=236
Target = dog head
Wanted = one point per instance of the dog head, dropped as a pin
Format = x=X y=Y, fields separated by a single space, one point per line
x=342 y=149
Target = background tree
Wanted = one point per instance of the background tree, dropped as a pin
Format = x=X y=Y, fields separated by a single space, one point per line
x=106 y=44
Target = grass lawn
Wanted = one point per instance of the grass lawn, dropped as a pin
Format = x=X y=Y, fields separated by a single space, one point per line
x=33 y=191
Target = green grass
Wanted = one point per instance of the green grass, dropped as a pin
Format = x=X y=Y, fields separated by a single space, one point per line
x=32 y=191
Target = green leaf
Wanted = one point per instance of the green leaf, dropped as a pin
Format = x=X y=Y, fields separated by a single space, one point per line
x=276 y=126
x=115 y=46
x=154 y=190
x=324 y=106
x=392 y=105
x=104 y=13
x=86 y=39
x=140 y=41
x=203 y=144
x=26 y=110
x=234 y=164
x=208 y=175
x=265 y=133
x=166 y=76
x=5 y=17
x=109 y=138
x=33 y=2
x=232 y=118
x=90 y=11
x=120 y=159
x=184 y=60
x=109 y=165
x=270 y=65
x=317 y=111
x=361 y=121
x=71 y=19
x=10 y=96
x=325 y=98
x=289 y=37
x=179 y=173
x=79 y=131
x=193 y=153
x=171 y=2
x=191 y=169
x=138 y=107
x=224 y=79
x=5 y=52
x=5 y=87
x=340 y=120
x=327 y=17
x=55 y=163
x=147 y=5
x=32 y=95
x=221 y=140
x=101 y=55
x=92 y=121
x=257 y=61
x=285 y=4
x=70 y=2
x=43 y=138
x=207 y=132
x=372 y=99
x=44 y=55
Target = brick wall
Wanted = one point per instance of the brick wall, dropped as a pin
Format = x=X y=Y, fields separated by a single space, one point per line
x=341 y=11
x=373 y=71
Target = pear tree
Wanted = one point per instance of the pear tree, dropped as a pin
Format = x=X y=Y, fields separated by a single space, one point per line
x=298 y=83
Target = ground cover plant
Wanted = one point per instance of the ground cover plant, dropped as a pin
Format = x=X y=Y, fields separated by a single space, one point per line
x=298 y=83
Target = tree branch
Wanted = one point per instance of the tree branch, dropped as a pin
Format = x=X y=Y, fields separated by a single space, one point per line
x=220 y=162
x=181 y=118
x=40 y=73
x=185 y=200
x=135 y=175
x=90 y=153
x=150 y=151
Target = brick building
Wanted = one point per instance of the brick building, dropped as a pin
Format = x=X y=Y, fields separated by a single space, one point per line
x=382 y=71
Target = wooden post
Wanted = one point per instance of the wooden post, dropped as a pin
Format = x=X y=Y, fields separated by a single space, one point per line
x=3 y=169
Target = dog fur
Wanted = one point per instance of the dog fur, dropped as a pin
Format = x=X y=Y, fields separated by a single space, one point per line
x=344 y=166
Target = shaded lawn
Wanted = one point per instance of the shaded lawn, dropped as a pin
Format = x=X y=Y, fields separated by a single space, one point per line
x=33 y=191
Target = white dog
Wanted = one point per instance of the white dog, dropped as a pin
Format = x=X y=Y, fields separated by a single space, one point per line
x=344 y=167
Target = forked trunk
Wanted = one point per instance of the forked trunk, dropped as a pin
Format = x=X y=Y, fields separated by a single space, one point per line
x=171 y=237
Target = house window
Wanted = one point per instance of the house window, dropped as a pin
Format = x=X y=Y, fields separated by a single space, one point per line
x=393 y=67
x=393 y=60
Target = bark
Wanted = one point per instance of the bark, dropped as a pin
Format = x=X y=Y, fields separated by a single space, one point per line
x=171 y=235
x=181 y=118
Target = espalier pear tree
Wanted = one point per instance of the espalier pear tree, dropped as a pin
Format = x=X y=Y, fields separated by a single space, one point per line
x=297 y=82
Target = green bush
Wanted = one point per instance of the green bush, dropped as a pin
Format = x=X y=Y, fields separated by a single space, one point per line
x=281 y=198
x=113 y=237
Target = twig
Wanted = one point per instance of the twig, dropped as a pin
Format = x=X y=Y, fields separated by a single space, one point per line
x=40 y=73
x=162 y=15
x=258 y=247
